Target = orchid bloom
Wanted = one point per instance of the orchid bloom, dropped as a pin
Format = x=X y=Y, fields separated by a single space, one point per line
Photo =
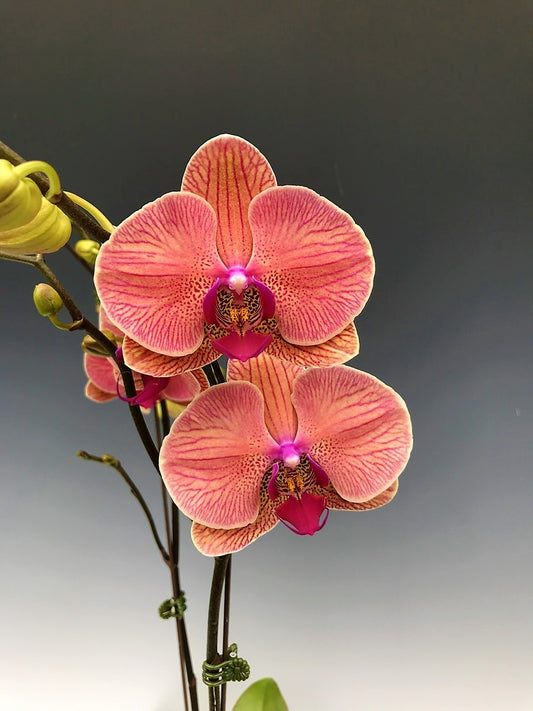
x=282 y=443
x=235 y=265
x=104 y=381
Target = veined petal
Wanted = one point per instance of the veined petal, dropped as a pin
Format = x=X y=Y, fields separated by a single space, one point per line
x=336 y=502
x=228 y=172
x=274 y=379
x=216 y=454
x=152 y=273
x=314 y=258
x=355 y=427
x=145 y=361
x=339 y=349
x=219 y=541
x=102 y=373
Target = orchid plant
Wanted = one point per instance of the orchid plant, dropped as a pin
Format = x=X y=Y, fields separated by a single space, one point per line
x=229 y=306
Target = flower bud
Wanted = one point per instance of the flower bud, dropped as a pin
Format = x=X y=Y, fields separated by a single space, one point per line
x=47 y=301
x=28 y=222
x=93 y=347
x=87 y=249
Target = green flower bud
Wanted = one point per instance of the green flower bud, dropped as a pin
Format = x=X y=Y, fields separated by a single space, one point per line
x=87 y=249
x=92 y=347
x=28 y=222
x=47 y=301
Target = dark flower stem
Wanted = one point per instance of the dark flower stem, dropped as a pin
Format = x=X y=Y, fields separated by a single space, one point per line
x=188 y=678
x=225 y=628
x=79 y=218
x=221 y=582
x=213 y=616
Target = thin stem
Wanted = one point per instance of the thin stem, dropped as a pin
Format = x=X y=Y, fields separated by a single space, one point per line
x=81 y=221
x=93 y=211
x=210 y=375
x=213 y=615
x=115 y=464
x=172 y=533
x=218 y=372
x=183 y=641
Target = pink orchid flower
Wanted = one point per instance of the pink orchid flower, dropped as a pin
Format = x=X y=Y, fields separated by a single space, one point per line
x=235 y=265
x=281 y=443
x=105 y=383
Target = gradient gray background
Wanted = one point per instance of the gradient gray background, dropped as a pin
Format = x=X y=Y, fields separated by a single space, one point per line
x=412 y=116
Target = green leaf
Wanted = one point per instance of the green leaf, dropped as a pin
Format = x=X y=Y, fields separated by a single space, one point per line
x=263 y=695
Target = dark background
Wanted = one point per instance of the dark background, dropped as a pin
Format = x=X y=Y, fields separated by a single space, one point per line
x=414 y=117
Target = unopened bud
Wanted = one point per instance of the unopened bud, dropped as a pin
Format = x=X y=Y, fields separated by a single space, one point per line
x=47 y=301
x=93 y=347
x=28 y=222
x=88 y=250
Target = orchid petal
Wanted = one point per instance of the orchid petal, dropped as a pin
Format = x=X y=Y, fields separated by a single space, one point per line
x=268 y=302
x=355 y=427
x=143 y=360
x=152 y=273
x=274 y=379
x=105 y=323
x=336 y=502
x=339 y=349
x=315 y=259
x=228 y=172
x=216 y=455
x=102 y=372
x=96 y=394
x=249 y=345
x=216 y=541
x=181 y=388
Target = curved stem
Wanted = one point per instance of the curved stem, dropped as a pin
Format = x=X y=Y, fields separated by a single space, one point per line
x=81 y=221
x=115 y=464
x=92 y=210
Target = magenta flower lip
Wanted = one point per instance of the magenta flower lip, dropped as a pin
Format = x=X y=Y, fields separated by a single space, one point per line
x=231 y=259
x=289 y=445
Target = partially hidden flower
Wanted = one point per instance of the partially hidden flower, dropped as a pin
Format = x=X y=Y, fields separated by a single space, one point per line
x=29 y=223
x=235 y=265
x=105 y=382
x=282 y=443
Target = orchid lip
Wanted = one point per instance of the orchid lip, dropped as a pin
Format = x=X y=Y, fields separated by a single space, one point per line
x=304 y=515
x=244 y=347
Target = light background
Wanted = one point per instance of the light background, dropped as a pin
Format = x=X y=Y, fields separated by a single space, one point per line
x=414 y=117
